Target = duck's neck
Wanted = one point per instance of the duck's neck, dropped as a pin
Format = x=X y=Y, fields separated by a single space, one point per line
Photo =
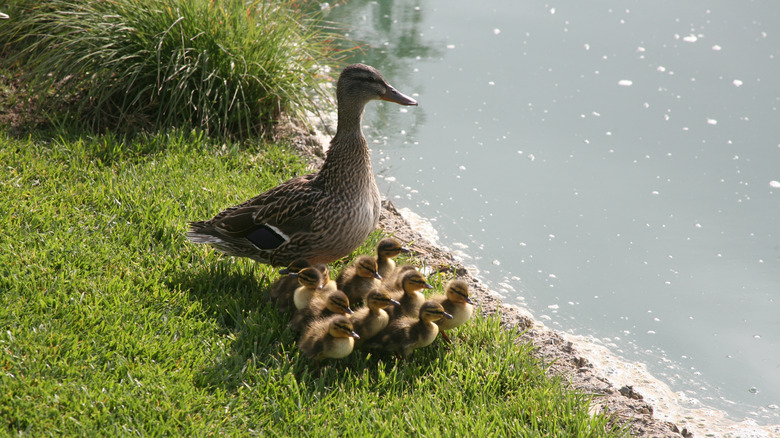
x=348 y=153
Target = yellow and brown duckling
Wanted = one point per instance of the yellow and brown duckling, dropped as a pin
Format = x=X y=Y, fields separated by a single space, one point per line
x=322 y=305
x=328 y=338
x=404 y=335
x=310 y=280
x=282 y=289
x=386 y=250
x=320 y=217
x=372 y=318
x=457 y=303
x=328 y=284
x=407 y=292
x=359 y=278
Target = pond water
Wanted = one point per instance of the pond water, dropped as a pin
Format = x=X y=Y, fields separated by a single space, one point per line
x=612 y=166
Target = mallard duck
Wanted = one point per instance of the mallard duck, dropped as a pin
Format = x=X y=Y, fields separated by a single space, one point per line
x=403 y=335
x=328 y=338
x=386 y=249
x=457 y=303
x=319 y=217
x=371 y=319
x=282 y=289
x=322 y=305
x=359 y=278
x=407 y=292
x=310 y=280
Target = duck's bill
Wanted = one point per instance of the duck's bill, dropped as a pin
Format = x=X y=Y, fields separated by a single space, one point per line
x=393 y=95
x=394 y=302
x=447 y=315
x=354 y=335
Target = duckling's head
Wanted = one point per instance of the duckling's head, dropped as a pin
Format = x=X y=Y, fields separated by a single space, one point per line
x=309 y=277
x=360 y=83
x=457 y=291
x=431 y=311
x=295 y=266
x=388 y=248
x=341 y=327
x=324 y=271
x=366 y=267
x=379 y=299
x=413 y=280
x=337 y=302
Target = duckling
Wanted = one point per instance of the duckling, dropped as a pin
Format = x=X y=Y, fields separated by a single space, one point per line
x=322 y=305
x=407 y=292
x=310 y=280
x=320 y=217
x=282 y=289
x=403 y=335
x=328 y=284
x=397 y=273
x=371 y=319
x=328 y=338
x=359 y=278
x=386 y=249
x=456 y=302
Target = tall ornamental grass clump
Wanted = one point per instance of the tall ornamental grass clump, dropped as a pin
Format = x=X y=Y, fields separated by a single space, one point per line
x=229 y=67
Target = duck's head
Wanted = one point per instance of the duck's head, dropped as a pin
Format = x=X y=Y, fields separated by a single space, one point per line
x=413 y=280
x=309 y=277
x=366 y=267
x=388 y=248
x=337 y=302
x=379 y=299
x=295 y=266
x=458 y=291
x=360 y=83
x=431 y=311
x=341 y=327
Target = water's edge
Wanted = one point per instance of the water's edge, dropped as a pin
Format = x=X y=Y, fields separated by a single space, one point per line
x=626 y=389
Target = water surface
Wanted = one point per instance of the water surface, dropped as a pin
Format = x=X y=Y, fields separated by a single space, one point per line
x=612 y=166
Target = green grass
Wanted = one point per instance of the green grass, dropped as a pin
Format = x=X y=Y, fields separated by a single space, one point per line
x=228 y=67
x=112 y=323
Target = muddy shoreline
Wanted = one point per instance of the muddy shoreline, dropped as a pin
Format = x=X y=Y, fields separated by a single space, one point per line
x=625 y=404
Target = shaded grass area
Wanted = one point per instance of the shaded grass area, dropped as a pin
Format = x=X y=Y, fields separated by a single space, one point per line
x=112 y=323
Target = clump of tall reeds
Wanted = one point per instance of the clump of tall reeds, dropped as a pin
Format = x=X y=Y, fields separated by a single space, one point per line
x=229 y=67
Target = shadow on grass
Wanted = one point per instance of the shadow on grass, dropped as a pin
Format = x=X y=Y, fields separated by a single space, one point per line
x=258 y=344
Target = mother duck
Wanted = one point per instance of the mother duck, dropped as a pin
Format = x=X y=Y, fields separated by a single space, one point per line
x=320 y=217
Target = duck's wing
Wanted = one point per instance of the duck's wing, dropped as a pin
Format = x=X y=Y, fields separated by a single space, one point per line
x=269 y=219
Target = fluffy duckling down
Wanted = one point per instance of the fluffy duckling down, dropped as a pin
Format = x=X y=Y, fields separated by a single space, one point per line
x=359 y=278
x=404 y=335
x=457 y=303
x=322 y=305
x=328 y=338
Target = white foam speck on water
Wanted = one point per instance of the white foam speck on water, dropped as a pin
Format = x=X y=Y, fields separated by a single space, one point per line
x=625 y=82
x=690 y=38
x=774 y=184
x=737 y=83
